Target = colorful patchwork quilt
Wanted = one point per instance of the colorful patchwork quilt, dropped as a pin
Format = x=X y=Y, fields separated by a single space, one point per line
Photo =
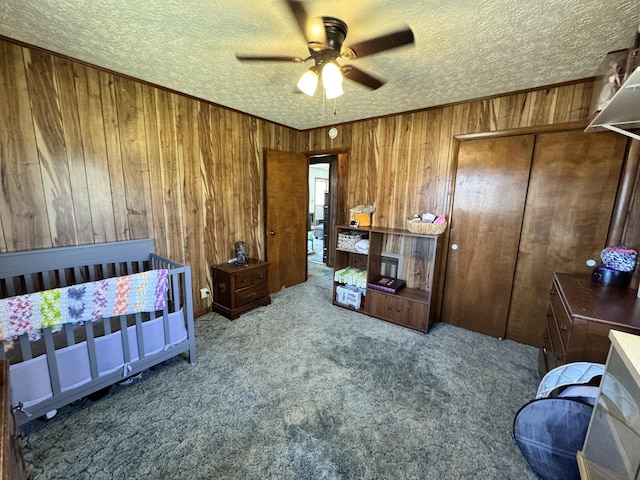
x=140 y=292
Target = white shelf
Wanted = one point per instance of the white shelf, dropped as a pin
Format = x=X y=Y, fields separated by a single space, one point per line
x=622 y=113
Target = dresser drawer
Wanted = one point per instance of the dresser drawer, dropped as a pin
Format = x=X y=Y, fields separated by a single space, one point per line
x=563 y=321
x=546 y=356
x=558 y=350
x=398 y=310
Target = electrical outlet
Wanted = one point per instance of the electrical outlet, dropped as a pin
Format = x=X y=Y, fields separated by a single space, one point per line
x=204 y=292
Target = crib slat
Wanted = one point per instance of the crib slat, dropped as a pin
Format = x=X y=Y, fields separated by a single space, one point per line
x=62 y=278
x=25 y=346
x=175 y=292
x=165 y=322
x=91 y=348
x=140 y=335
x=11 y=288
x=77 y=275
x=125 y=340
x=52 y=360
x=28 y=283
x=106 y=323
x=68 y=330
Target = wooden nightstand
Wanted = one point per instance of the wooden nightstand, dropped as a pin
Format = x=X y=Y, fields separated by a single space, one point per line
x=239 y=289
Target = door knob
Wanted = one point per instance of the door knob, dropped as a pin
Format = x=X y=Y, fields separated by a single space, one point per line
x=271 y=232
x=454 y=246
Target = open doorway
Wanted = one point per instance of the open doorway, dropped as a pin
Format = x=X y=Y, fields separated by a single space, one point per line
x=319 y=209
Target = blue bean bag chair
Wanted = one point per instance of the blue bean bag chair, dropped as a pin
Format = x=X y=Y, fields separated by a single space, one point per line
x=549 y=433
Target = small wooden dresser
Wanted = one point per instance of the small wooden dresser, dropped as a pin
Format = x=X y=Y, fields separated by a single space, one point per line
x=581 y=313
x=239 y=289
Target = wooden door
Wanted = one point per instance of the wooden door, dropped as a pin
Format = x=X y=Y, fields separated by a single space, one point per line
x=574 y=180
x=287 y=203
x=489 y=199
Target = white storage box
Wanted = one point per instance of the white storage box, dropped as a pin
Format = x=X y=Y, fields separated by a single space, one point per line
x=348 y=296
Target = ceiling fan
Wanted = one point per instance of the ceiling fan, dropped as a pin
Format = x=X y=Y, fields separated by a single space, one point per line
x=325 y=37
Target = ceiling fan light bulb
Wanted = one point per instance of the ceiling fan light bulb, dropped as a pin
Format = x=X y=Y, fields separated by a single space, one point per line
x=308 y=82
x=333 y=91
x=331 y=74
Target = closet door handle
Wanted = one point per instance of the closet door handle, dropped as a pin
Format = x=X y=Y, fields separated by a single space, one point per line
x=271 y=232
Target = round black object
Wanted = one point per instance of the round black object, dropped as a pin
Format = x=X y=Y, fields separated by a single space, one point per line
x=603 y=274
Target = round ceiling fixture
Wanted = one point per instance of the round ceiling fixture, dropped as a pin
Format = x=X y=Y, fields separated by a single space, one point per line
x=333 y=132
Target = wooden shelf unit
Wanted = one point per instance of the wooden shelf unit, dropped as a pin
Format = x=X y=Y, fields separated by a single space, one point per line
x=411 y=307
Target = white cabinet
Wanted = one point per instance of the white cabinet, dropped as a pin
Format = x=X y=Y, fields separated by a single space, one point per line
x=612 y=447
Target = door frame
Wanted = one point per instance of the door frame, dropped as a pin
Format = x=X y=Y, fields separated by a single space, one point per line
x=338 y=169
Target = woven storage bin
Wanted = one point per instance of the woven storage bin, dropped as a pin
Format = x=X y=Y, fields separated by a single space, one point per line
x=348 y=240
x=425 y=228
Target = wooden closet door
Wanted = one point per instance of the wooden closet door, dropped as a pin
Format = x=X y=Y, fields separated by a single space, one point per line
x=489 y=198
x=573 y=186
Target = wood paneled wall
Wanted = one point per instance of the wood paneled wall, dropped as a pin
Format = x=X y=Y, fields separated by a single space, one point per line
x=407 y=159
x=87 y=156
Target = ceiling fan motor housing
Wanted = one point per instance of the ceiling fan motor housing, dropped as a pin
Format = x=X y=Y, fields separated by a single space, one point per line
x=336 y=32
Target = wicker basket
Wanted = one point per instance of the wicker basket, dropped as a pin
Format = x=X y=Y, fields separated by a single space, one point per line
x=425 y=228
x=348 y=240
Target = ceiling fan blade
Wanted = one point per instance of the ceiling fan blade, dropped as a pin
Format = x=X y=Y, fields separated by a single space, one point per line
x=382 y=43
x=312 y=28
x=357 y=75
x=266 y=58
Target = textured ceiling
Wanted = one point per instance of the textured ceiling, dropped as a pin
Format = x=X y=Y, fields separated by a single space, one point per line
x=464 y=48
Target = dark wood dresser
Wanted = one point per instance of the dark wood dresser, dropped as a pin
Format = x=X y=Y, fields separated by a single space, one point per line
x=239 y=289
x=12 y=465
x=581 y=312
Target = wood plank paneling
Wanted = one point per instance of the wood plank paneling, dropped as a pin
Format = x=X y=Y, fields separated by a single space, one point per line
x=23 y=209
x=114 y=159
x=52 y=152
x=133 y=149
x=65 y=83
x=172 y=175
x=94 y=148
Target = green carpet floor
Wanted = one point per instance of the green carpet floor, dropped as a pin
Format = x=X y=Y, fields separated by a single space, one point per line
x=304 y=390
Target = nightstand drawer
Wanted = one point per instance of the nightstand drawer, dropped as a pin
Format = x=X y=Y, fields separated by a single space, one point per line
x=248 y=295
x=250 y=278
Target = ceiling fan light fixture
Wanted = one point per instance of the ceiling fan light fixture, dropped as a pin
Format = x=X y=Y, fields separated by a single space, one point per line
x=309 y=82
x=332 y=80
